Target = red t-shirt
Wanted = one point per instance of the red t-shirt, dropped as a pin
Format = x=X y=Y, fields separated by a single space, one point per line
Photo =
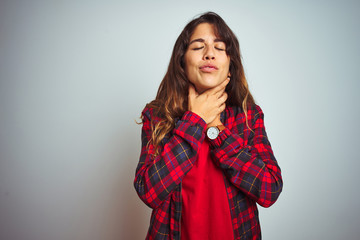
x=205 y=207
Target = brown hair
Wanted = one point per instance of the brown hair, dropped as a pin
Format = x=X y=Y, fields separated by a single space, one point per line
x=172 y=97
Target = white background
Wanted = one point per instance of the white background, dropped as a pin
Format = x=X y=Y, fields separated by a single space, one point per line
x=75 y=75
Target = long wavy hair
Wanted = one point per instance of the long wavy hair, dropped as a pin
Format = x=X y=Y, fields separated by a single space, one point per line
x=171 y=101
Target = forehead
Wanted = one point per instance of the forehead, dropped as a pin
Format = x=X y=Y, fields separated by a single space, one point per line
x=204 y=31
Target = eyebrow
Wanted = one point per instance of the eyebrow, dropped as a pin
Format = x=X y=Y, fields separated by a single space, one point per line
x=202 y=40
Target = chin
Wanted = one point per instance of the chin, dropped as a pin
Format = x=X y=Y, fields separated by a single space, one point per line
x=209 y=84
x=206 y=83
x=202 y=88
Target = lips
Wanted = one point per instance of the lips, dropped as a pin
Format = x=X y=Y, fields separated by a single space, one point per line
x=208 y=68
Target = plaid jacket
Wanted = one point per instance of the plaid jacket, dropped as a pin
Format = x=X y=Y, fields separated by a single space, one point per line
x=251 y=172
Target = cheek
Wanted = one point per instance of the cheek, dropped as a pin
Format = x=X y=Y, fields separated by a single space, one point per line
x=190 y=66
x=187 y=63
x=226 y=64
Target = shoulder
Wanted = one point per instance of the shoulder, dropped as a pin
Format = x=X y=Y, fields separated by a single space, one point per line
x=252 y=111
x=255 y=112
x=235 y=115
x=149 y=114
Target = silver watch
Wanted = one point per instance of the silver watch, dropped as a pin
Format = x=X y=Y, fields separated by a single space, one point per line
x=213 y=132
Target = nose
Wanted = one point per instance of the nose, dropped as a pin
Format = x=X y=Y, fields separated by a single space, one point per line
x=209 y=54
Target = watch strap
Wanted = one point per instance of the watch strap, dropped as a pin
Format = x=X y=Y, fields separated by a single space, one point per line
x=221 y=127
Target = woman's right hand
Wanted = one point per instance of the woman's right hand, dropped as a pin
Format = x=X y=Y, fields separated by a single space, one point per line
x=210 y=103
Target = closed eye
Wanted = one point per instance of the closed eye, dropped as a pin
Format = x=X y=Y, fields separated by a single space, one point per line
x=198 y=48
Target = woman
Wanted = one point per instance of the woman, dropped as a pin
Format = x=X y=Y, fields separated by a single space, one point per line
x=206 y=159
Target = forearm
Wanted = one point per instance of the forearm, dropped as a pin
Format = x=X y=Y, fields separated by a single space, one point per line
x=156 y=177
x=249 y=165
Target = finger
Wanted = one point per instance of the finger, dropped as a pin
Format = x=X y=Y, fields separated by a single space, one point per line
x=222 y=90
x=222 y=107
x=223 y=98
x=221 y=93
x=219 y=89
x=225 y=83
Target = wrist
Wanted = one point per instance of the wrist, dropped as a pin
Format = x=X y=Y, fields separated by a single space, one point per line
x=213 y=132
x=218 y=142
x=215 y=123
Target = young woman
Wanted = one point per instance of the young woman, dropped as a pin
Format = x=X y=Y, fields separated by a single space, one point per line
x=205 y=159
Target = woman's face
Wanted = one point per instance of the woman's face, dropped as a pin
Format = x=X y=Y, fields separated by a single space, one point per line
x=206 y=61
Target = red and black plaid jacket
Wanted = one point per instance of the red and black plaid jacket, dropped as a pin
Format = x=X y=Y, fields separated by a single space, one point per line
x=251 y=172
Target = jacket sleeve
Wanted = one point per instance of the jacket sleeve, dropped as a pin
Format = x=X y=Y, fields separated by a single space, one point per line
x=250 y=165
x=156 y=177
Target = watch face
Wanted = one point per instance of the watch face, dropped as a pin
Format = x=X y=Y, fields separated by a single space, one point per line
x=212 y=132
